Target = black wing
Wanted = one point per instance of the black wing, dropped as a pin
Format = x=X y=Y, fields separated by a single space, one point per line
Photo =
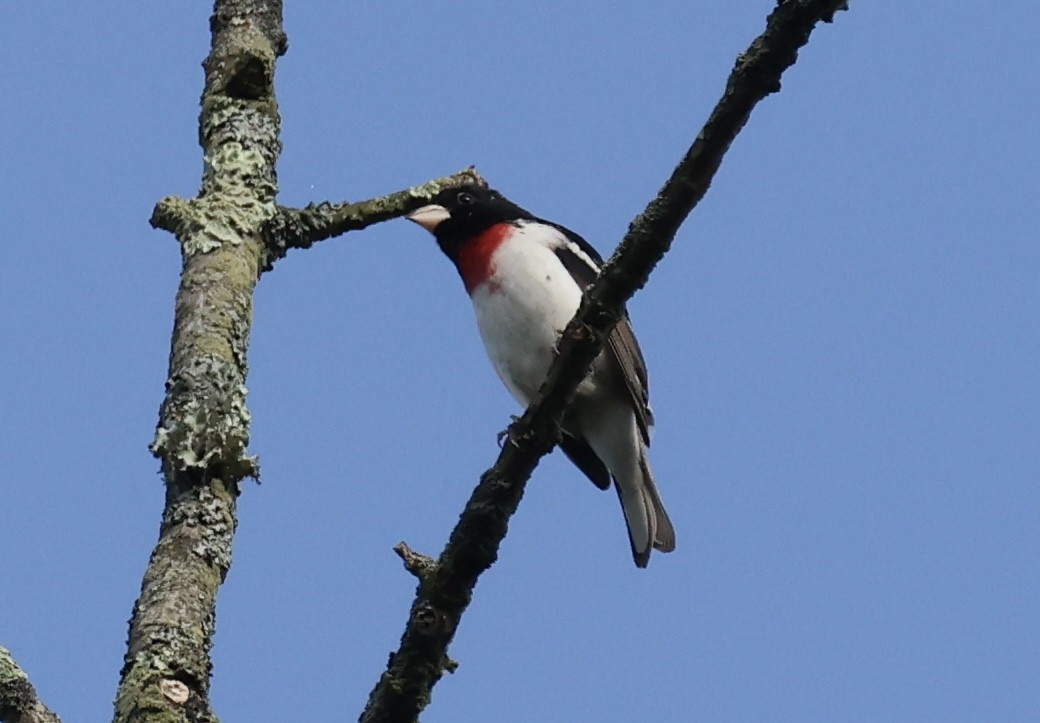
x=622 y=340
x=580 y=453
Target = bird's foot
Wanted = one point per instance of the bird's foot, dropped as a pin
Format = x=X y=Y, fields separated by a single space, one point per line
x=556 y=344
x=501 y=436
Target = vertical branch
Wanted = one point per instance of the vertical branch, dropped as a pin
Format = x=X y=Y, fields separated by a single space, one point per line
x=203 y=429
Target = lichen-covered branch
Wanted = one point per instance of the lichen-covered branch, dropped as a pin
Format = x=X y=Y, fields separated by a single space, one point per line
x=203 y=429
x=445 y=588
x=18 y=700
x=294 y=228
x=229 y=234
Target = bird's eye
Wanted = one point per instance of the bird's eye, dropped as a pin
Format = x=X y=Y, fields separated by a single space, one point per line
x=464 y=199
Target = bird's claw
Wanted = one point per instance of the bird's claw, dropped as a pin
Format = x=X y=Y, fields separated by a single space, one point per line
x=556 y=344
x=505 y=433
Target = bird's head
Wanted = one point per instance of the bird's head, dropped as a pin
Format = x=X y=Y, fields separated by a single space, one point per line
x=458 y=214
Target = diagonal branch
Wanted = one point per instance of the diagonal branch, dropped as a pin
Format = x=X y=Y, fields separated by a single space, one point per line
x=18 y=700
x=445 y=588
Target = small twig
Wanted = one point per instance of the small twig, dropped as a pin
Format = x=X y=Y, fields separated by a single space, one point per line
x=294 y=228
x=415 y=562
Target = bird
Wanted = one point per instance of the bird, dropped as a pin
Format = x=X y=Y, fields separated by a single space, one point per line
x=525 y=276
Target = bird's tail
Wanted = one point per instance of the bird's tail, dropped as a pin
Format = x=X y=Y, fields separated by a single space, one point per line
x=649 y=526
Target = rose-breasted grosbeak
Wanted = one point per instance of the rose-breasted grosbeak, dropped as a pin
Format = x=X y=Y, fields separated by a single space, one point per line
x=525 y=277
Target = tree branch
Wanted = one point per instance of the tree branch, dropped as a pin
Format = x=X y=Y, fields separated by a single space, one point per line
x=18 y=700
x=203 y=429
x=231 y=232
x=445 y=589
x=294 y=228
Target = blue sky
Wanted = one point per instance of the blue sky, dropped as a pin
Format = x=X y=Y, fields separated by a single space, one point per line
x=843 y=348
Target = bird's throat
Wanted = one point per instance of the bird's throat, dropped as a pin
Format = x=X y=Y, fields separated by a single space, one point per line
x=475 y=260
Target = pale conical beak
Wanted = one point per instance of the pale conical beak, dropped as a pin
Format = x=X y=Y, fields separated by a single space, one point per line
x=429 y=217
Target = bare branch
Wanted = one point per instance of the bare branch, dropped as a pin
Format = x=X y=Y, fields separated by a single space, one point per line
x=294 y=228
x=203 y=429
x=18 y=700
x=414 y=562
x=445 y=591
x=202 y=437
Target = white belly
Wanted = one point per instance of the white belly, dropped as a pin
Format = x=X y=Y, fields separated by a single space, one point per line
x=521 y=314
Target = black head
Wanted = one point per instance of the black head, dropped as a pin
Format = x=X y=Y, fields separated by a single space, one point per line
x=463 y=212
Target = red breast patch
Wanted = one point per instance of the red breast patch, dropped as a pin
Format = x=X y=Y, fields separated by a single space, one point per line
x=475 y=255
